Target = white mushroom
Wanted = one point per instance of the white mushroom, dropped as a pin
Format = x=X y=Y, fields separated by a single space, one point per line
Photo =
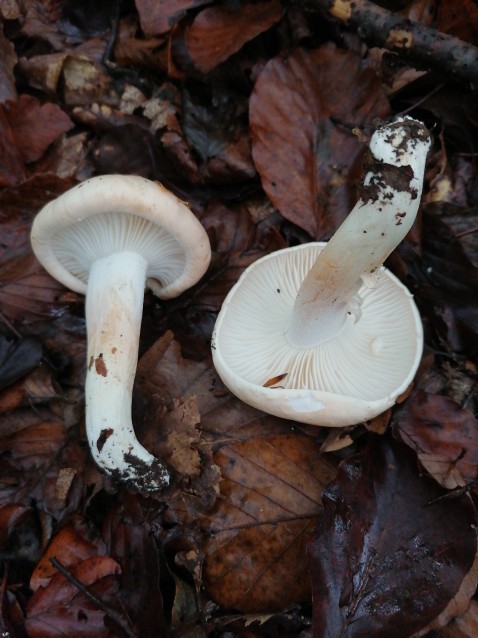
x=107 y=238
x=323 y=333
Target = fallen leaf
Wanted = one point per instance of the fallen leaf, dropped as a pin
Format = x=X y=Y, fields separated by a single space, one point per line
x=302 y=111
x=458 y=20
x=20 y=540
x=160 y=16
x=27 y=291
x=35 y=125
x=387 y=558
x=130 y=541
x=12 y=168
x=18 y=359
x=443 y=435
x=236 y=243
x=61 y=609
x=255 y=536
x=8 y=60
x=219 y=31
x=71 y=548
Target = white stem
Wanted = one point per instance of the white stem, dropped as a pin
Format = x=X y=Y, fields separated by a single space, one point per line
x=377 y=224
x=114 y=305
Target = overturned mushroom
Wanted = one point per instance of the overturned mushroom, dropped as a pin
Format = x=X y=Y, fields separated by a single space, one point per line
x=323 y=333
x=108 y=238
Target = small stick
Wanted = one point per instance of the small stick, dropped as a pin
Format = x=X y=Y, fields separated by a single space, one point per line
x=111 y=613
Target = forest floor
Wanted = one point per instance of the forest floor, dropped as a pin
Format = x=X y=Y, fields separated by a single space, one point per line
x=257 y=114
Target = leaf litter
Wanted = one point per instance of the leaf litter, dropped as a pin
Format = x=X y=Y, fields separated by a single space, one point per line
x=256 y=114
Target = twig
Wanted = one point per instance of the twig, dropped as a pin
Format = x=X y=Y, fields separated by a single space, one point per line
x=111 y=613
x=470 y=231
x=422 y=46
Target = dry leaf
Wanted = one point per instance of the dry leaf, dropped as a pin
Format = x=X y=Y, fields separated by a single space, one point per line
x=255 y=536
x=219 y=31
x=302 y=112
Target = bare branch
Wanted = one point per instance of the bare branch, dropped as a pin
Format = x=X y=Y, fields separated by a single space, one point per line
x=422 y=47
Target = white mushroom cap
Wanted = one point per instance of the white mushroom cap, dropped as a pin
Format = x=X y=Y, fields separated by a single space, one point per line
x=322 y=333
x=340 y=382
x=116 y=213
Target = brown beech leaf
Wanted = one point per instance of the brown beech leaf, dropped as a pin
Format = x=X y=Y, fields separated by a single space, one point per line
x=160 y=16
x=130 y=541
x=8 y=60
x=236 y=243
x=460 y=20
x=444 y=283
x=61 y=609
x=387 y=557
x=35 y=453
x=70 y=547
x=182 y=402
x=464 y=626
x=12 y=168
x=35 y=126
x=20 y=536
x=34 y=445
x=256 y=534
x=18 y=358
x=27 y=292
x=444 y=436
x=302 y=110
x=219 y=31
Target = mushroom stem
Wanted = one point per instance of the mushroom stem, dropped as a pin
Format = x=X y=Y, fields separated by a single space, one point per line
x=114 y=304
x=385 y=212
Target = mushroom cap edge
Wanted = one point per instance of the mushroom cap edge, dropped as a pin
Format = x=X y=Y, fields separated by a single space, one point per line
x=132 y=194
x=314 y=407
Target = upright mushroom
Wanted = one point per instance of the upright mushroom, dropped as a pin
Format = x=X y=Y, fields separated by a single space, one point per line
x=108 y=238
x=323 y=333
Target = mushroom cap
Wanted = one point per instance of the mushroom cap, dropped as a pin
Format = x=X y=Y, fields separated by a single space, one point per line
x=121 y=213
x=345 y=380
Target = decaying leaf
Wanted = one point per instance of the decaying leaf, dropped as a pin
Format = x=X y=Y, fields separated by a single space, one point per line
x=219 y=31
x=35 y=126
x=61 y=609
x=387 y=557
x=255 y=536
x=27 y=292
x=443 y=435
x=302 y=112
x=160 y=17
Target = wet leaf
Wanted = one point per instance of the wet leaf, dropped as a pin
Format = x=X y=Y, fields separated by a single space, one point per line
x=302 y=112
x=387 y=558
x=71 y=548
x=35 y=126
x=447 y=288
x=12 y=169
x=218 y=32
x=8 y=60
x=236 y=243
x=130 y=541
x=34 y=449
x=460 y=21
x=60 y=609
x=443 y=435
x=256 y=534
x=20 y=538
x=17 y=359
x=27 y=292
x=161 y=16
